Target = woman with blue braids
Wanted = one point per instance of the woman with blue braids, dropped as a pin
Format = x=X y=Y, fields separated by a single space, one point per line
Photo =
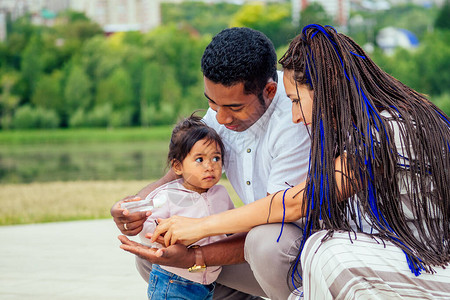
x=375 y=207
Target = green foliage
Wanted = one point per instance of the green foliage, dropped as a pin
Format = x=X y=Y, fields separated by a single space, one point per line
x=99 y=116
x=178 y=48
x=98 y=59
x=115 y=89
x=133 y=65
x=121 y=117
x=19 y=35
x=73 y=16
x=443 y=20
x=27 y=117
x=427 y=69
x=151 y=91
x=415 y=18
x=314 y=13
x=32 y=64
x=77 y=91
x=273 y=20
x=402 y=65
x=133 y=79
x=48 y=93
x=205 y=18
x=433 y=59
x=443 y=102
x=77 y=119
x=22 y=138
x=8 y=101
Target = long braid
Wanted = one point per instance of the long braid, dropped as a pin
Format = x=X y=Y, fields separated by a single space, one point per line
x=350 y=92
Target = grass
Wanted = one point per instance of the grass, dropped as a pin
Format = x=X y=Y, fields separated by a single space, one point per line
x=65 y=201
x=87 y=135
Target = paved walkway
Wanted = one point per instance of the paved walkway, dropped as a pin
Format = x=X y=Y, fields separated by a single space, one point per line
x=68 y=260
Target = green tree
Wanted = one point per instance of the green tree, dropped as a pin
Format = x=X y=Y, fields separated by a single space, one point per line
x=151 y=90
x=98 y=59
x=27 y=117
x=315 y=13
x=273 y=20
x=116 y=90
x=426 y=69
x=8 y=101
x=77 y=91
x=48 y=93
x=134 y=63
x=19 y=35
x=100 y=116
x=443 y=18
x=443 y=102
x=403 y=65
x=193 y=100
x=73 y=16
x=161 y=97
x=71 y=33
x=32 y=64
x=178 y=48
x=433 y=58
x=205 y=18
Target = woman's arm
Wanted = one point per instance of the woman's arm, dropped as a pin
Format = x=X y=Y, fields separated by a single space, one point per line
x=270 y=209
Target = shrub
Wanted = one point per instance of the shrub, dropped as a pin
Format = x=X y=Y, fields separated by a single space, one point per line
x=99 y=116
x=443 y=102
x=27 y=117
x=78 y=119
x=121 y=118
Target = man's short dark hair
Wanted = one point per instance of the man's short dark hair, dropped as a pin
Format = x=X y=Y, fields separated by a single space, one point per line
x=240 y=54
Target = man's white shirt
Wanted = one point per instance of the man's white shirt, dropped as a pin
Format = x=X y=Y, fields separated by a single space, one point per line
x=271 y=154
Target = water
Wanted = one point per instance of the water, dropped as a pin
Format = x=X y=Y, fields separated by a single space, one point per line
x=87 y=161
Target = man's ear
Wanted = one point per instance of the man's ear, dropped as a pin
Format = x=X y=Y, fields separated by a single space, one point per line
x=177 y=167
x=270 y=90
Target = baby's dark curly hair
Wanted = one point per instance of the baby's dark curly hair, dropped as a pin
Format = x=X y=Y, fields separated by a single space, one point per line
x=188 y=132
x=238 y=55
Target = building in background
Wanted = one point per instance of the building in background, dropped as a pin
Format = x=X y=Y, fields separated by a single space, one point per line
x=121 y=15
x=2 y=26
x=43 y=12
x=17 y=8
x=111 y=15
x=239 y=2
x=144 y=15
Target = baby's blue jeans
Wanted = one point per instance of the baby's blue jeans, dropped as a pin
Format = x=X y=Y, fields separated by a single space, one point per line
x=166 y=285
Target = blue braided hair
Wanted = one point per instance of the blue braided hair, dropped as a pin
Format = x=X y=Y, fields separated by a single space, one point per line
x=356 y=108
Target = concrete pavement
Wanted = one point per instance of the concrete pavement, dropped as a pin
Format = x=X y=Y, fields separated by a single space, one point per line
x=67 y=260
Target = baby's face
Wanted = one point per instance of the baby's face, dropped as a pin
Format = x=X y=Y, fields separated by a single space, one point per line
x=202 y=167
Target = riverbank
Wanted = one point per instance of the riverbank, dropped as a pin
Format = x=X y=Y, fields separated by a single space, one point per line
x=41 y=202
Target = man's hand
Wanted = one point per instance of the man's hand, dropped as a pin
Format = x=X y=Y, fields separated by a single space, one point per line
x=128 y=223
x=176 y=255
x=132 y=224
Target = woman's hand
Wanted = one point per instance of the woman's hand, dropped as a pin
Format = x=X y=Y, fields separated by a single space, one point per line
x=181 y=230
